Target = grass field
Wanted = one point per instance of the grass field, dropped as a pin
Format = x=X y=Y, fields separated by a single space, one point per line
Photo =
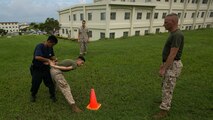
x=123 y=72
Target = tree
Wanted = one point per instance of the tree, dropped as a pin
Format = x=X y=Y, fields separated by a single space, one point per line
x=2 y=32
x=41 y=26
x=51 y=25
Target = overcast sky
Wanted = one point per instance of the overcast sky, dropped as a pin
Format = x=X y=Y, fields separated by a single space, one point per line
x=33 y=10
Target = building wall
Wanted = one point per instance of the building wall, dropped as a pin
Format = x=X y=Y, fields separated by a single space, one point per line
x=9 y=27
x=193 y=15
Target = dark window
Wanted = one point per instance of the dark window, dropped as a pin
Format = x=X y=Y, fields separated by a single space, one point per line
x=113 y=16
x=205 y=1
x=157 y=30
x=193 y=14
x=102 y=35
x=74 y=17
x=137 y=33
x=202 y=14
x=90 y=33
x=89 y=16
x=103 y=16
x=112 y=35
x=146 y=32
x=125 y=34
x=164 y=15
x=139 y=15
x=211 y=14
x=156 y=16
x=81 y=16
x=127 y=16
x=148 y=15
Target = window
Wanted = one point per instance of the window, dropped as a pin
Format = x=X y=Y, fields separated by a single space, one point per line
x=62 y=31
x=90 y=33
x=139 y=15
x=182 y=1
x=211 y=14
x=112 y=35
x=208 y=26
x=89 y=16
x=146 y=32
x=137 y=33
x=193 y=14
x=202 y=14
x=205 y=1
x=166 y=0
x=175 y=0
x=158 y=0
x=148 y=15
x=179 y=15
x=74 y=17
x=157 y=30
x=125 y=34
x=66 y=31
x=185 y=15
x=102 y=35
x=198 y=14
x=113 y=15
x=69 y=18
x=164 y=15
x=103 y=16
x=127 y=16
x=81 y=16
x=156 y=16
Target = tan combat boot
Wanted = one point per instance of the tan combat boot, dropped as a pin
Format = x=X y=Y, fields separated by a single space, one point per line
x=160 y=115
x=75 y=108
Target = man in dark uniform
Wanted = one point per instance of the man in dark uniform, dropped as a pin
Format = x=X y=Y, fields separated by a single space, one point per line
x=171 y=63
x=40 y=69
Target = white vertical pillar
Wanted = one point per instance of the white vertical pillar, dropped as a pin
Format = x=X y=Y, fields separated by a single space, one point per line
x=108 y=11
x=132 y=21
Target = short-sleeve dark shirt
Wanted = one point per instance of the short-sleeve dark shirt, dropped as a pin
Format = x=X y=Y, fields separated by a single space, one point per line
x=175 y=40
x=43 y=51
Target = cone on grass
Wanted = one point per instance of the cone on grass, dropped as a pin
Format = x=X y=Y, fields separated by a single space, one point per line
x=93 y=105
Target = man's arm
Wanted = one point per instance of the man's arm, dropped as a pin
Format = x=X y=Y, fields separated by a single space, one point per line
x=52 y=64
x=42 y=59
x=169 y=61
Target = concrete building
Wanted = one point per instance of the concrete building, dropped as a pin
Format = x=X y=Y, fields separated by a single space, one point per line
x=10 y=27
x=118 y=18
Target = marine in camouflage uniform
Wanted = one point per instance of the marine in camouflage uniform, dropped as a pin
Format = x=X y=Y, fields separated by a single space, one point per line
x=83 y=38
x=60 y=81
x=172 y=65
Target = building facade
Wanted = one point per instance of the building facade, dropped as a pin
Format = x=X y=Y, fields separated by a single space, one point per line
x=9 y=27
x=118 y=18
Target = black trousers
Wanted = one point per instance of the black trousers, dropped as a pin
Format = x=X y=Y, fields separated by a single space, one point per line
x=38 y=74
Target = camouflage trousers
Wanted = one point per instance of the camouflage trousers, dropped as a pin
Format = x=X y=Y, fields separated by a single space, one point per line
x=62 y=84
x=169 y=82
x=83 y=47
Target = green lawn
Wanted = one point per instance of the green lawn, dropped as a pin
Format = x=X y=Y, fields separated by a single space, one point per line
x=123 y=72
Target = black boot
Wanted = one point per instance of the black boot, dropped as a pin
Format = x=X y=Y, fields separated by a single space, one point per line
x=53 y=98
x=32 y=98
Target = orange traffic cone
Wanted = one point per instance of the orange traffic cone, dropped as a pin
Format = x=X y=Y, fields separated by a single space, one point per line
x=93 y=105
